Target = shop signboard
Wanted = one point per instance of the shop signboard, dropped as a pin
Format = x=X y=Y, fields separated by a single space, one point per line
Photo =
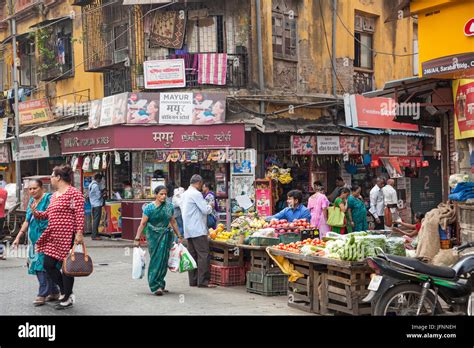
x=398 y=145
x=4 y=153
x=158 y=137
x=328 y=145
x=166 y=73
x=176 y=108
x=303 y=145
x=415 y=146
x=376 y=113
x=378 y=145
x=113 y=110
x=33 y=147
x=350 y=144
x=454 y=66
x=94 y=113
x=34 y=111
x=463 y=97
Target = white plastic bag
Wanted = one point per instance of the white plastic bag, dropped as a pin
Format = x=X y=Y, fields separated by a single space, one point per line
x=175 y=255
x=186 y=261
x=138 y=264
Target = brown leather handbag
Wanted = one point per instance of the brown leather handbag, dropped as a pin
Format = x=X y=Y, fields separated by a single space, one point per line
x=78 y=264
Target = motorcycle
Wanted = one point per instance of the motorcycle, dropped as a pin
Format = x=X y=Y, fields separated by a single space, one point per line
x=405 y=286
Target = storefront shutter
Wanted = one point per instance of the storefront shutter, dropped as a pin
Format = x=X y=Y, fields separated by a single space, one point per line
x=427 y=188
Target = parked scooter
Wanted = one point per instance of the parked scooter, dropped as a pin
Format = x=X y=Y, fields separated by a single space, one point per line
x=405 y=286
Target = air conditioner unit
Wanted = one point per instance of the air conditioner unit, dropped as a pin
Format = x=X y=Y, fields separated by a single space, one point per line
x=358 y=23
x=368 y=24
x=120 y=55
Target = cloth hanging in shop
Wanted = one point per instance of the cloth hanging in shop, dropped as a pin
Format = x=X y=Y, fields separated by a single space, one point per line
x=212 y=69
x=168 y=29
x=61 y=55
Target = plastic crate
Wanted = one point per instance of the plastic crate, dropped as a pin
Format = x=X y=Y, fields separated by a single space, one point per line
x=287 y=238
x=264 y=241
x=227 y=276
x=267 y=284
x=305 y=234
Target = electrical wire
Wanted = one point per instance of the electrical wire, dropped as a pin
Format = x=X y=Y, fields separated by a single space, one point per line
x=327 y=45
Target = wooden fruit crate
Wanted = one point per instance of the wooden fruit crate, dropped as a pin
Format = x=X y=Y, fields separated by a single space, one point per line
x=342 y=290
x=261 y=262
x=300 y=292
x=223 y=254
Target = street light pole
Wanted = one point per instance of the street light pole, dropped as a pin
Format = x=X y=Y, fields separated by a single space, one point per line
x=16 y=115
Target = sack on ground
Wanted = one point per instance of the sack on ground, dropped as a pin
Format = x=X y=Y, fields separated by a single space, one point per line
x=175 y=255
x=186 y=262
x=138 y=264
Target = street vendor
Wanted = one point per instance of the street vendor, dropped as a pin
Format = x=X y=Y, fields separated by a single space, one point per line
x=295 y=210
x=411 y=231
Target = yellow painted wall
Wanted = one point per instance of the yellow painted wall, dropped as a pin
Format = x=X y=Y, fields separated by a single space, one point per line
x=441 y=28
x=81 y=80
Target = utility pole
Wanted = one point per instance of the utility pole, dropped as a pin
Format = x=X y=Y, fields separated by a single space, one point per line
x=16 y=114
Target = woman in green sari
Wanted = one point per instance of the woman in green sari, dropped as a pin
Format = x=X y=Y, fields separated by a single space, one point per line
x=157 y=217
x=357 y=210
x=341 y=202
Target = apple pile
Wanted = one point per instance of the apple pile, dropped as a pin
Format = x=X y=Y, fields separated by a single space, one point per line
x=283 y=226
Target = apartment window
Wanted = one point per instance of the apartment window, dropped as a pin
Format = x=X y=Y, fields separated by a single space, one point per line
x=27 y=62
x=206 y=35
x=363 y=42
x=284 y=36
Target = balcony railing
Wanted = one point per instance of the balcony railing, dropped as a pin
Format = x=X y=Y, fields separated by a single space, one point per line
x=363 y=81
x=236 y=76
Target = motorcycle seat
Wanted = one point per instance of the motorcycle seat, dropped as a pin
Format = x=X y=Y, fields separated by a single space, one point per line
x=421 y=267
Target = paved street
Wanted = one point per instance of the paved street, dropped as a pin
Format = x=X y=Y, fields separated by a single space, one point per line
x=111 y=291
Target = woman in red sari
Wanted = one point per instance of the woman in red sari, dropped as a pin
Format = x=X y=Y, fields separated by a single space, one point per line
x=65 y=216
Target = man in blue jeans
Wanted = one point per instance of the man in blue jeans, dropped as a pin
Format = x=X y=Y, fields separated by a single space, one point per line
x=95 y=197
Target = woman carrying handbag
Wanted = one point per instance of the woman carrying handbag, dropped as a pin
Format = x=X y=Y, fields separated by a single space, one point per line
x=338 y=218
x=65 y=216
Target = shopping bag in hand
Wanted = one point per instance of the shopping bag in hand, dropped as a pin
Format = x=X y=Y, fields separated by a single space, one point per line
x=138 y=265
x=175 y=255
x=186 y=261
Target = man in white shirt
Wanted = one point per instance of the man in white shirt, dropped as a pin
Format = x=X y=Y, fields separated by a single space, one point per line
x=377 y=204
x=391 y=204
x=194 y=210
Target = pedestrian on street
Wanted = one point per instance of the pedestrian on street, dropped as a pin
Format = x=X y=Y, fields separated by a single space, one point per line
x=48 y=290
x=341 y=202
x=356 y=210
x=377 y=204
x=195 y=211
x=391 y=204
x=177 y=201
x=340 y=184
x=318 y=206
x=295 y=210
x=3 y=183
x=97 y=201
x=3 y=201
x=65 y=215
x=210 y=198
x=157 y=218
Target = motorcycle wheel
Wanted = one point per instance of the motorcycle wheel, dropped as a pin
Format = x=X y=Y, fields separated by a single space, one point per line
x=402 y=300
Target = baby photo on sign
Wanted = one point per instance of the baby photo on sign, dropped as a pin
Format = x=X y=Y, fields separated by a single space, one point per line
x=142 y=108
x=209 y=108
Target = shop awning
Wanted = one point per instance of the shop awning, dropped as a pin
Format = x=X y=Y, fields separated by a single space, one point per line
x=44 y=131
x=390 y=132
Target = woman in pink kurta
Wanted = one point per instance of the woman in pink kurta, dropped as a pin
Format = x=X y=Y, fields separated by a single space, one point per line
x=318 y=204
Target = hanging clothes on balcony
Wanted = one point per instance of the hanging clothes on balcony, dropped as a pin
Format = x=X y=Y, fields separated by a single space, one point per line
x=61 y=55
x=191 y=65
x=168 y=29
x=212 y=69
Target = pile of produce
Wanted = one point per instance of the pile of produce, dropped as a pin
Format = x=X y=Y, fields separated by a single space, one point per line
x=396 y=246
x=313 y=247
x=283 y=226
x=220 y=234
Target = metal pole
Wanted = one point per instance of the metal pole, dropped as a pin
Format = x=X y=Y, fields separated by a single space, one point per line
x=334 y=22
x=17 y=116
x=261 y=82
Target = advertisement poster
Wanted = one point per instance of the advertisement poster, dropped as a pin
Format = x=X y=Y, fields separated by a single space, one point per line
x=242 y=185
x=350 y=145
x=328 y=145
x=169 y=73
x=263 y=202
x=398 y=145
x=415 y=146
x=113 y=110
x=208 y=108
x=143 y=108
x=3 y=128
x=244 y=162
x=378 y=145
x=303 y=145
x=34 y=111
x=463 y=97
x=94 y=113
x=33 y=147
x=4 y=153
x=176 y=108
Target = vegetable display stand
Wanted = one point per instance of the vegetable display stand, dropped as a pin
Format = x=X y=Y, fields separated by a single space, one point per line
x=290 y=237
x=261 y=262
x=227 y=276
x=300 y=292
x=342 y=290
x=267 y=284
x=227 y=255
x=263 y=241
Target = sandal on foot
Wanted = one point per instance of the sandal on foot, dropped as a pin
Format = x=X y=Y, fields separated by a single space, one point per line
x=159 y=292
